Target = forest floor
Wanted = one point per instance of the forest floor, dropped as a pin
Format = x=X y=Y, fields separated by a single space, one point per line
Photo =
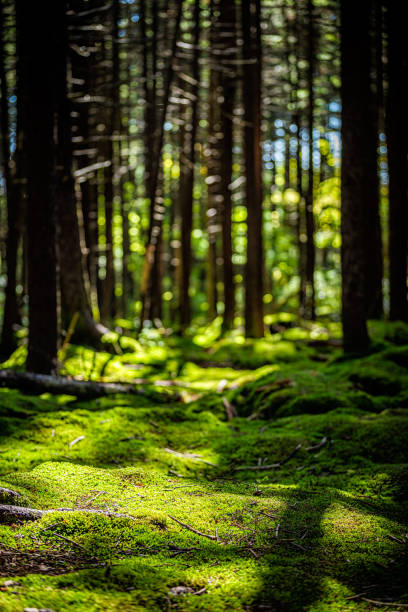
x=324 y=528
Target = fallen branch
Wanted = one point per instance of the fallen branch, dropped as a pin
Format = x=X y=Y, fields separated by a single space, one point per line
x=9 y=514
x=8 y=493
x=271 y=465
x=229 y=409
x=322 y=442
x=385 y=603
x=180 y=487
x=204 y=535
x=36 y=384
x=71 y=444
x=188 y=455
x=58 y=535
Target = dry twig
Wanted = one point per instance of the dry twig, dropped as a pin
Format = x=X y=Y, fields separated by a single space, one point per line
x=204 y=535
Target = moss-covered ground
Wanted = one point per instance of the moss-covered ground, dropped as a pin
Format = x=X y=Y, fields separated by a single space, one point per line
x=324 y=530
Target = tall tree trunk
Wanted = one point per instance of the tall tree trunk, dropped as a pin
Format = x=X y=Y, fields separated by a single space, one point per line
x=397 y=146
x=254 y=326
x=38 y=52
x=187 y=176
x=310 y=221
x=10 y=313
x=213 y=155
x=300 y=221
x=150 y=269
x=228 y=38
x=108 y=306
x=75 y=300
x=372 y=223
x=354 y=76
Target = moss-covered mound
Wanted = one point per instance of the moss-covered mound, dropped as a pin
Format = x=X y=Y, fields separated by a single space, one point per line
x=298 y=503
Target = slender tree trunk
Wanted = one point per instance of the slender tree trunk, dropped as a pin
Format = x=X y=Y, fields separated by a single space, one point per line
x=397 y=146
x=354 y=69
x=38 y=52
x=75 y=300
x=187 y=176
x=228 y=38
x=4 y=131
x=152 y=250
x=372 y=224
x=310 y=221
x=213 y=154
x=10 y=314
x=254 y=326
x=108 y=307
x=299 y=223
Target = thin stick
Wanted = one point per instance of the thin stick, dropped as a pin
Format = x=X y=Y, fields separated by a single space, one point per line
x=273 y=516
x=89 y=501
x=272 y=465
x=357 y=595
x=385 y=603
x=69 y=541
x=317 y=446
x=204 y=535
x=180 y=487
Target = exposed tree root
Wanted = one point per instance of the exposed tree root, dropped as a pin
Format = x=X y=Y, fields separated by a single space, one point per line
x=10 y=514
x=35 y=384
x=8 y=493
x=270 y=466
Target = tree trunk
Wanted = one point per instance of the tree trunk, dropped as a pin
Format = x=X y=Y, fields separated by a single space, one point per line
x=150 y=269
x=354 y=67
x=228 y=76
x=372 y=224
x=254 y=326
x=310 y=221
x=74 y=295
x=187 y=176
x=397 y=146
x=300 y=222
x=108 y=306
x=38 y=50
x=11 y=313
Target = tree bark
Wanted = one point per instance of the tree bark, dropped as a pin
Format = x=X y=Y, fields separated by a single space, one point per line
x=354 y=65
x=372 y=224
x=10 y=514
x=108 y=306
x=254 y=326
x=11 y=312
x=36 y=384
x=150 y=268
x=397 y=147
x=74 y=294
x=228 y=76
x=187 y=176
x=310 y=221
x=38 y=52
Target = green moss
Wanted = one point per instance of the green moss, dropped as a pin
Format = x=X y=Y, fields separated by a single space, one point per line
x=376 y=382
x=340 y=501
x=311 y=404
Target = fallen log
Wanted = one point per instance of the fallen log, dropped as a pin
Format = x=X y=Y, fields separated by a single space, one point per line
x=36 y=384
x=7 y=493
x=10 y=514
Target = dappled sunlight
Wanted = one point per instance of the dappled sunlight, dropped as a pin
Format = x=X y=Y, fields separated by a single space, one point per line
x=193 y=506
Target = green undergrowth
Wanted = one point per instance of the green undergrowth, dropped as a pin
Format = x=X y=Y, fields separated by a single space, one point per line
x=326 y=529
